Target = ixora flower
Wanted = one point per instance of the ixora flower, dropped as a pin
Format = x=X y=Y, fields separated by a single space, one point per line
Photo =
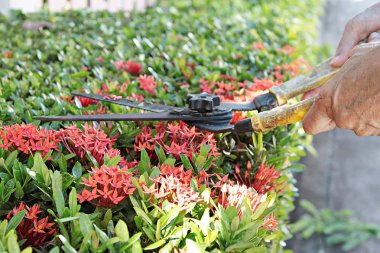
x=230 y=194
x=175 y=138
x=264 y=179
x=147 y=83
x=36 y=232
x=133 y=68
x=107 y=186
x=173 y=185
x=85 y=102
x=90 y=139
x=28 y=139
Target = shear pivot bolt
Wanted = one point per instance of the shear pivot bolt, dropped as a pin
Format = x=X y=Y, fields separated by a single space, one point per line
x=203 y=102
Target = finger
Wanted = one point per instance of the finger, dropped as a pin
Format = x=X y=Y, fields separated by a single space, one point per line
x=317 y=120
x=349 y=40
x=311 y=93
x=374 y=37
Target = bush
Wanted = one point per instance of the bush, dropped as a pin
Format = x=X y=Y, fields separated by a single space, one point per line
x=129 y=187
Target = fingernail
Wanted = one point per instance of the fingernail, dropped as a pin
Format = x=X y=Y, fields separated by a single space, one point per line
x=335 y=60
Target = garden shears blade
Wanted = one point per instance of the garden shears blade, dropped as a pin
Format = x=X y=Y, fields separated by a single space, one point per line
x=207 y=112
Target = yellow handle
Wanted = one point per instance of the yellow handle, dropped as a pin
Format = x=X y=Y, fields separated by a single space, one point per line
x=282 y=115
x=301 y=84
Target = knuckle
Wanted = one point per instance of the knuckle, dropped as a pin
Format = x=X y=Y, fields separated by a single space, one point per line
x=362 y=132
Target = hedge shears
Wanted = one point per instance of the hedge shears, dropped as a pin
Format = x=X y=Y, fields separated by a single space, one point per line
x=207 y=112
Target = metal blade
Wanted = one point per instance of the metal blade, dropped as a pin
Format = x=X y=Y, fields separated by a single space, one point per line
x=238 y=106
x=126 y=117
x=215 y=128
x=129 y=103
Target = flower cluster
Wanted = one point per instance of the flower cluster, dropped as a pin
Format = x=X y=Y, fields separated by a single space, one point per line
x=230 y=194
x=36 y=232
x=28 y=139
x=147 y=83
x=89 y=140
x=175 y=139
x=173 y=185
x=263 y=180
x=131 y=67
x=107 y=186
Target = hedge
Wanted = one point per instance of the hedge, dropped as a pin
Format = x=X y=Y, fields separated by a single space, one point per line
x=153 y=186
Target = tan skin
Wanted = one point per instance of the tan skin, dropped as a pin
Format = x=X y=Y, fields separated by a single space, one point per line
x=351 y=99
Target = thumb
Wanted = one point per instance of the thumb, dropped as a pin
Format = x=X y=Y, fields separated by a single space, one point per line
x=318 y=118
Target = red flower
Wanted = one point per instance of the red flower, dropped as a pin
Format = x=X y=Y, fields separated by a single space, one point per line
x=107 y=186
x=91 y=140
x=28 y=139
x=86 y=101
x=175 y=139
x=133 y=68
x=265 y=178
x=288 y=49
x=8 y=54
x=261 y=85
x=270 y=222
x=100 y=59
x=258 y=46
x=36 y=232
x=147 y=83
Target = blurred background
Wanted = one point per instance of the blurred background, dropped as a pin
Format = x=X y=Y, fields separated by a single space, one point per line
x=345 y=173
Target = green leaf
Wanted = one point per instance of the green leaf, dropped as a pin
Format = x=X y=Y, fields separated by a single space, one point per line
x=11 y=159
x=85 y=224
x=121 y=231
x=66 y=245
x=170 y=162
x=15 y=221
x=155 y=245
x=193 y=247
x=73 y=202
x=40 y=168
x=131 y=241
x=77 y=170
x=57 y=193
x=12 y=242
x=112 y=161
x=186 y=162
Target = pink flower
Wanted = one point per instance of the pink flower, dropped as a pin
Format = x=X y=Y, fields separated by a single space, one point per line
x=147 y=83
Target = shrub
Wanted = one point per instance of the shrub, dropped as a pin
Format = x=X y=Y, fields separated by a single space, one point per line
x=149 y=186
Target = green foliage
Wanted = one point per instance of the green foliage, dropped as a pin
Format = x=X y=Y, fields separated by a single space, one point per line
x=216 y=37
x=336 y=227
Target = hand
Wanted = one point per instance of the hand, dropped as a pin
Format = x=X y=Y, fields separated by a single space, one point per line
x=351 y=99
x=357 y=29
